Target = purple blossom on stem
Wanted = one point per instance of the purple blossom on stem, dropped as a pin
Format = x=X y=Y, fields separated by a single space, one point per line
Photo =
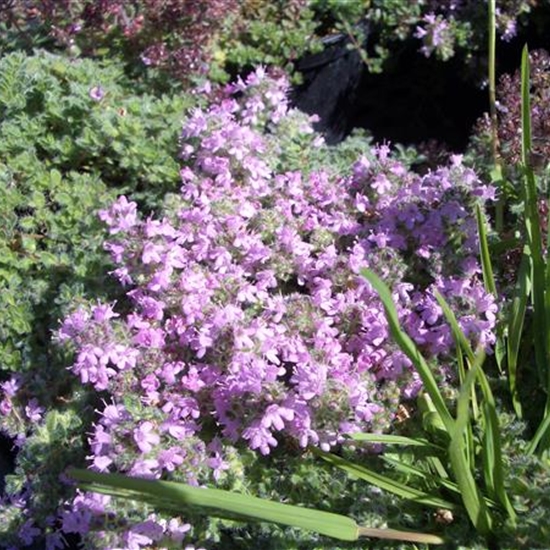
x=97 y=93
x=146 y=437
x=248 y=316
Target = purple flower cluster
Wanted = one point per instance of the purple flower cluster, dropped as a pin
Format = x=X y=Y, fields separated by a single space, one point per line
x=248 y=307
x=437 y=35
x=249 y=320
x=442 y=17
x=173 y=34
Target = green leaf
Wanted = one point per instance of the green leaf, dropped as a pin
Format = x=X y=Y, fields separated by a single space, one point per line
x=462 y=345
x=515 y=329
x=491 y=448
x=488 y=277
x=461 y=449
x=409 y=348
x=541 y=298
x=385 y=483
x=458 y=455
x=55 y=178
x=542 y=433
x=221 y=503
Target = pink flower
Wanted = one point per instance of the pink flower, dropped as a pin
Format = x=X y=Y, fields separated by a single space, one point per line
x=34 y=411
x=170 y=459
x=275 y=417
x=147 y=468
x=11 y=387
x=76 y=521
x=143 y=534
x=381 y=184
x=102 y=463
x=101 y=440
x=121 y=217
x=97 y=93
x=73 y=324
x=146 y=437
x=28 y=532
x=103 y=312
x=259 y=438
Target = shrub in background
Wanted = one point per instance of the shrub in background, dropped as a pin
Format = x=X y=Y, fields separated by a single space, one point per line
x=185 y=38
x=443 y=27
x=247 y=324
x=74 y=134
x=275 y=33
x=220 y=38
x=71 y=131
x=509 y=116
x=172 y=34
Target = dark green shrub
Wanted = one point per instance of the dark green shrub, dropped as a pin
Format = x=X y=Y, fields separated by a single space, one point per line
x=73 y=136
x=222 y=38
x=74 y=133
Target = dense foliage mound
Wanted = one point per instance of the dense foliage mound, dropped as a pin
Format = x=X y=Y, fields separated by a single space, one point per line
x=191 y=38
x=246 y=322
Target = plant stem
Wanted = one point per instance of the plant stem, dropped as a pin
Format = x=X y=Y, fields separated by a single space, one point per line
x=495 y=145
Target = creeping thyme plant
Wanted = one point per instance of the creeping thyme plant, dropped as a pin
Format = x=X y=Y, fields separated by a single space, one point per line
x=509 y=121
x=72 y=130
x=186 y=38
x=245 y=326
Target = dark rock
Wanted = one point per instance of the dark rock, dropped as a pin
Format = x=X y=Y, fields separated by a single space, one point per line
x=331 y=79
x=414 y=100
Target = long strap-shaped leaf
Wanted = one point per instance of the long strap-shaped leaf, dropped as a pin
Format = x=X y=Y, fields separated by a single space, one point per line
x=461 y=451
x=486 y=264
x=515 y=329
x=540 y=272
x=390 y=439
x=385 y=483
x=462 y=345
x=490 y=286
x=217 y=502
x=471 y=495
x=534 y=239
x=409 y=348
x=491 y=448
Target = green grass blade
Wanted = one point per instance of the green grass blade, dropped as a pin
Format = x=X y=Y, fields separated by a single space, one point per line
x=488 y=453
x=437 y=474
x=532 y=226
x=525 y=108
x=471 y=495
x=542 y=434
x=490 y=286
x=459 y=360
x=492 y=450
x=408 y=347
x=394 y=534
x=385 y=483
x=515 y=330
x=487 y=267
x=397 y=465
x=436 y=466
x=224 y=503
x=236 y=506
x=461 y=344
x=458 y=335
x=489 y=283
x=431 y=477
